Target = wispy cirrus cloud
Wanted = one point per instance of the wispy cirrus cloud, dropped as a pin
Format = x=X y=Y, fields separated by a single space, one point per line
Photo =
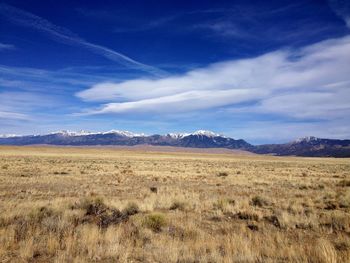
x=12 y=115
x=65 y=36
x=342 y=9
x=6 y=47
x=311 y=82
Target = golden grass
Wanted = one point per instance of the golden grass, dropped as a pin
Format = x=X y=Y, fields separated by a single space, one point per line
x=62 y=204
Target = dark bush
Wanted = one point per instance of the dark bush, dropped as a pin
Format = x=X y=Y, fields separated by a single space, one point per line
x=131 y=209
x=259 y=201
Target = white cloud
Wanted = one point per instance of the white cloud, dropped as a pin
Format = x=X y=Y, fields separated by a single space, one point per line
x=24 y=105
x=63 y=35
x=12 y=115
x=321 y=105
x=347 y=21
x=181 y=102
x=6 y=47
x=316 y=78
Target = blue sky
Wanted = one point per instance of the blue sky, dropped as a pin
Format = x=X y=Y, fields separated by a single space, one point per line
x=264 y=71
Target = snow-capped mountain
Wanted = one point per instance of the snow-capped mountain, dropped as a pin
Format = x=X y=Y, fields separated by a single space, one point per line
x=201 y=139
x=83 y=133
x=8 y=135
x=123 y=133
x=307 y=146
x=305 y=139
x=177 y=135
x=71 y=133
x=206 y=133
x=199 y=133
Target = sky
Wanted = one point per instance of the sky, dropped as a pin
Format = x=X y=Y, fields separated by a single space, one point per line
x=263 y=71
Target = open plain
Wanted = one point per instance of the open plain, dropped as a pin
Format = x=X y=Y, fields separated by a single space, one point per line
x=62 y=204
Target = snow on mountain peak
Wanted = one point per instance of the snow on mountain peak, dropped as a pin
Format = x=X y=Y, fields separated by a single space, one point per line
x=306 y=139
x=72 y=133
x=125 y=133
x=178 y=135
x=206 y=133
x=83 y=133
x=199 y=132
x=9 y=135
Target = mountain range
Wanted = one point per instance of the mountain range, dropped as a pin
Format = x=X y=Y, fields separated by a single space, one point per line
x=308 y=146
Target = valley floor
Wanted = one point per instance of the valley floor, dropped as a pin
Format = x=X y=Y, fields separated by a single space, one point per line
x=61 y=204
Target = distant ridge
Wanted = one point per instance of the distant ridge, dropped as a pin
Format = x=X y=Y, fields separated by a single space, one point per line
x=307 y=146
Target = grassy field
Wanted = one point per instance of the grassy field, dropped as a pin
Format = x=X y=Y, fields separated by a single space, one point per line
x=113 y=205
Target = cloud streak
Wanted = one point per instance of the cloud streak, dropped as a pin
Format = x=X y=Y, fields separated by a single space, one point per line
x=312 y=82
x=12 y=115
x=65 y=36
x=6 y=47
x=342 y=10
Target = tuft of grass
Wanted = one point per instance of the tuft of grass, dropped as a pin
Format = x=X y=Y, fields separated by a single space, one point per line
x=155 y=222
x=38 y=214
x=344 y=201
x=222 y=204
x=325 y=252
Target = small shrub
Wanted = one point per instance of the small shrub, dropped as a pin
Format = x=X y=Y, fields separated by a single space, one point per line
x=61 y=173
x=342 y=246
x=92 y=205
x=330 y=205
x=182 y=233
x=253 y=227
x=320 y=187
x=154 y=222
x=344 y=183
x=303 y=187
x=344 y=201
x=259 y=201
x=5 y=166
x=131 y=209
x=153 y=189
x=222 y=174
x=336 y=221
x=178 y=205
x=247 y=216
x=273 y=219
x=97 y=212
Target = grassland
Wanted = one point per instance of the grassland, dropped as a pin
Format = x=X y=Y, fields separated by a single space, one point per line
x=110 y=205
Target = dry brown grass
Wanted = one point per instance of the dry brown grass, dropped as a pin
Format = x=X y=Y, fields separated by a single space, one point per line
x=108 y=205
